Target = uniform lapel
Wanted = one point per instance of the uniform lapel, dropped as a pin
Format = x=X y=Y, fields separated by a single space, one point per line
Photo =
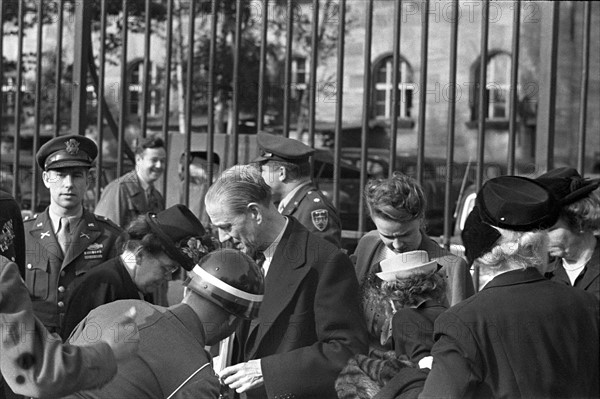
x=86 y=232
x=43 y=234
x=292 y=205
x=286 y=272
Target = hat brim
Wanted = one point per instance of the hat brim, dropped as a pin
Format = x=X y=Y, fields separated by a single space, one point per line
x=405 y=273
x=69 y=164
x=169 y=247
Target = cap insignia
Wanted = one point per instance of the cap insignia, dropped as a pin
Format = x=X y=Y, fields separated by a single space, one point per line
x=72 y=146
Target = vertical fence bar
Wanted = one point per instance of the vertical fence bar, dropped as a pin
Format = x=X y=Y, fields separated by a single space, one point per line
x=339 y=103
x=38 y=104
x=288 y=68
x=260 y=123
x=188 y=104
x=514 y=91
x=236 y=82
x=100 y=92
x=167 y=88
x=211 y=92
x=123 y=91
x=483 y=98
x=18 y=102
x=58 y=71
x=549 y=29
x=584 y=87
x=83 y=31
x=395 y=92
x=451 y=120
x=423 y=89
x=146 y=80
x=1 y=64
x=314 y=47
x=366 y=109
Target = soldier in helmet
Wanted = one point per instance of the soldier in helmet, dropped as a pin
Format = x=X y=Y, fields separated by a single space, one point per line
x=65 y=241
x=224 y=287
x=285 y=167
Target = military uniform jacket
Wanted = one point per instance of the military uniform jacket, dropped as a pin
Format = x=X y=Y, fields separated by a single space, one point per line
x=49 y=275
x=309 y=323
x=35 y=363
x=171 y=349
x=103 y=284
x=521 y=336
x=588 y=280
x=311 y=208
x=459 y=282
x=124 y=199
x=12 y=239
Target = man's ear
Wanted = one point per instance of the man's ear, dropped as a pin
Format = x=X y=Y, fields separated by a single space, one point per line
x=282 y=174
x=255 y=211
x=46 y=179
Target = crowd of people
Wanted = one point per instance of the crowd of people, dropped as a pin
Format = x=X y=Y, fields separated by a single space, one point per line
x=85 y=310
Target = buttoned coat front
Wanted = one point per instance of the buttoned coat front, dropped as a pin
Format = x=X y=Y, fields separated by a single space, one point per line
x=521 y=336
x=309 y=323
x=52 y=276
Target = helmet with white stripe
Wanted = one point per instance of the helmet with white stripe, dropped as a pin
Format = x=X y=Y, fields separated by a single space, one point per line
x=231 y=280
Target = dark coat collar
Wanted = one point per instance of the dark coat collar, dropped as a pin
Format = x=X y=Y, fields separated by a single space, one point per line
x=515 y=277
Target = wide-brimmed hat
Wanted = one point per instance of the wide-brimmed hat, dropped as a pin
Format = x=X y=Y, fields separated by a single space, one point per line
x=172 y=226
x=405 y=265
x=567 y=185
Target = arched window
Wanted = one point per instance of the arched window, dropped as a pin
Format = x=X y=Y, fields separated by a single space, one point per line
x=136 y=80
x=497 y=87
x=383 y=84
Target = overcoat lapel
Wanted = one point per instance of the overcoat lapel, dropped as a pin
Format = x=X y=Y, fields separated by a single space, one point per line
x=43 y=234
x=286 y=272
x=85 y=234
x=135 y=192
x=593 y=268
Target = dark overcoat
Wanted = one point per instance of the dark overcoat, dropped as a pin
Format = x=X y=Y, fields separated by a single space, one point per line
x=12 y=236
x=103 y=284
x=521 y=336
x=309 y=323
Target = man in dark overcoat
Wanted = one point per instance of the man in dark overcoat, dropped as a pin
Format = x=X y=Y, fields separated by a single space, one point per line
x=309 y=324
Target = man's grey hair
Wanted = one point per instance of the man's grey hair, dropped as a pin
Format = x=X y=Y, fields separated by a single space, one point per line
x=237 y=187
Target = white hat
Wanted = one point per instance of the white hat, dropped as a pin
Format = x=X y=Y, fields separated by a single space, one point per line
x=405 y=265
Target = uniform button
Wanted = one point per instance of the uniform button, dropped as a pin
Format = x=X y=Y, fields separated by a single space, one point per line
x=12 y=258
x=61 y=289
x=61 y=304
x=63 y=273
x=29 y=266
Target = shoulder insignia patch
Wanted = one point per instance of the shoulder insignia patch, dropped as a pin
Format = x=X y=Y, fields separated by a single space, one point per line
x=320 y=219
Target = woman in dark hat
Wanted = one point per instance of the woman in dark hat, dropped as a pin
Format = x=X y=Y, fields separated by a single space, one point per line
x=574 y=243
x=154 y=246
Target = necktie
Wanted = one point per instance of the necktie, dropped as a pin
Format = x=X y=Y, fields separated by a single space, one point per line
x=152 y=200
x=64 y=234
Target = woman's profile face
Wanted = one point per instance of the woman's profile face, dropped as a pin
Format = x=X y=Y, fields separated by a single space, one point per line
x=561 y=238
x=152 y=270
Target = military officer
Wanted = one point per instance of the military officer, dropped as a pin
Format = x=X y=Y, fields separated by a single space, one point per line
x=65 y=241
x=285 y=167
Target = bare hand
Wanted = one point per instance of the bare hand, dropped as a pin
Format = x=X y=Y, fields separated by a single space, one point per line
x=243 y=376
x=124 y=338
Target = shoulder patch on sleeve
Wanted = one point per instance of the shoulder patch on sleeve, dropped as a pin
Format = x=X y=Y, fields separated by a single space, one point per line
x=320 y=218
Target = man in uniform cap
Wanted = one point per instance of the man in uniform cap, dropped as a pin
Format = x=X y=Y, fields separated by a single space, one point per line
x=223 y=288
x=65 y=241
x=521 y=336
x=285 y=167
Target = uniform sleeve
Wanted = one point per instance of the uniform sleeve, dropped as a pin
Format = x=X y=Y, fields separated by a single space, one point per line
x=36 y=363
x=109 y=205
x=320 y=218
x=456 y=363
x=311 y=371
